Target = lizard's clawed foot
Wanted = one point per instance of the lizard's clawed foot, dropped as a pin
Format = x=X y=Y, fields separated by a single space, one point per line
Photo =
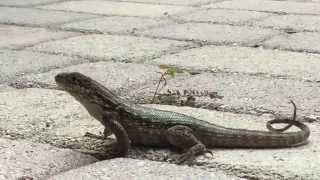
x=114 y=151
x=189 y=156
x=208 y=151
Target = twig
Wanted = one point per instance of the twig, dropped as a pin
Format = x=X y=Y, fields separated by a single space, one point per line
x=162 y=78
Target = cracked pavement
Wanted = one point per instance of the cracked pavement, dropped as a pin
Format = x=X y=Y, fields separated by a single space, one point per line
x=255 y=54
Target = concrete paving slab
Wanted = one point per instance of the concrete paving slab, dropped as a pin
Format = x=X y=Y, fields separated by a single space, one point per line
x=45 y=116
x=111 y=47
x=19 y=3
x=175 y=2
x=214 y=33
x=250 y=94
x=114 y=24
x=17 y=63
x=134 y=169
x=246 y=60
x=291 y=22
x=223 y=16
x=52 y=116
x=4 y=88
x=15 y=37
x=116 y=76
x=27 y=16
x=304 y=41
x=271 y=6
x=315 y=1
x=37 y=161
x=119 y=8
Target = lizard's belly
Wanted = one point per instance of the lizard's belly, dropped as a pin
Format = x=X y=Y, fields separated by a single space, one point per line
x=148 y=137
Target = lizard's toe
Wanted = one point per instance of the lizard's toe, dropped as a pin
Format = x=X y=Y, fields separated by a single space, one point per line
x=187 y=158
x=208 y=151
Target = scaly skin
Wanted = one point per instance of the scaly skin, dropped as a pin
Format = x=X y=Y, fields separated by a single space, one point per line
x=140 y=125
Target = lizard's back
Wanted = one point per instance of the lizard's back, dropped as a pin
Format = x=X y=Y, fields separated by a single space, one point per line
x=151 y=125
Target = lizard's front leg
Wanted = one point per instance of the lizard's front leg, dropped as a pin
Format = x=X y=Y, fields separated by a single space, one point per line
x=123 y=143
x=183 y=138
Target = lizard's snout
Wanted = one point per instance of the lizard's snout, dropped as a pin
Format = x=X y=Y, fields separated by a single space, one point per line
x=72 y=80
x=61 y=79
x=58 y=78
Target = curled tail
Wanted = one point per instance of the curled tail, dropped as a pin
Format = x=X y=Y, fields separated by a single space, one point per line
x=289 y=124
x=305 y=131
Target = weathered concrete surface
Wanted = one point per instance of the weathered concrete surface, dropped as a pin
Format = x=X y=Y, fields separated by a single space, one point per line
x=19 y=3
x=303 y=41
x=26 y=16
x=119 y=8
x=121 y=168
x=114 y=24
x=256 y=81
x=176 y=2
x=18 y=37
x=122 y=77
x=250 y=94
x=108 y=47
x=17 y=63
x=35 y=114
x=5 y=88
x=242 y=93
x=271 y=6
x=54 y=117
x=211 y=33
x=223 y=16
x=38 y=161
x=291 y=22
x=253 y=61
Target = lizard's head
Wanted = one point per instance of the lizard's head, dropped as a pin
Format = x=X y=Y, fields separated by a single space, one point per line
x=92 y=95
x=73 y=82
x=85 y=89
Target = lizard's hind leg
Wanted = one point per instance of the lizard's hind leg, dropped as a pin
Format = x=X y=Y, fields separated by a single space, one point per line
x=183 y=138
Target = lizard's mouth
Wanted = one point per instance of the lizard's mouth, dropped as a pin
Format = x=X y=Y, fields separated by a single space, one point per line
x=58 y=78
x=61 y=80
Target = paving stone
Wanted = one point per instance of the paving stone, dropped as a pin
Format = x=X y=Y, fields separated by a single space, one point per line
x=17 y=37
x=223 y=16
x=116 y=76
x=18 y=3
x=211 y=33
x=111 y=47
x=42 y=115
x=4 y=87
x=17 y=63
x=271 y=6
x=175 y=2
x=114 y=24
x=294 y=22
x=315 y=1
x=246 y=60
x=250 y=94
x=134 y=169
x=119 y=8
x=51 y=116
x=304 y=41
x=27 y=16
x=37 y=161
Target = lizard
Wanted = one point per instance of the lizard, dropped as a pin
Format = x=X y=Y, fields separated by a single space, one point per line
x=133 y=124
